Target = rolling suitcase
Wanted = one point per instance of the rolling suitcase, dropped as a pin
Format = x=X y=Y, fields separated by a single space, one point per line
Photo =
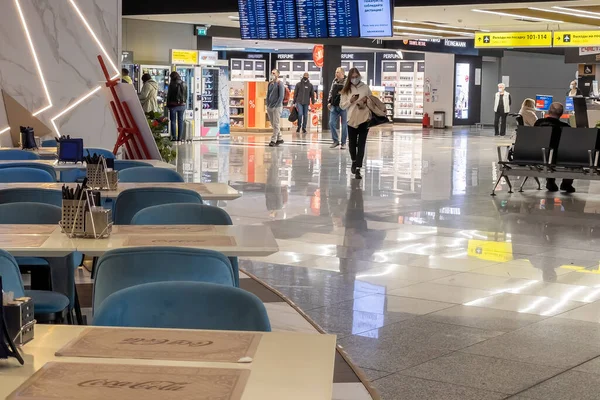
x=188 y=131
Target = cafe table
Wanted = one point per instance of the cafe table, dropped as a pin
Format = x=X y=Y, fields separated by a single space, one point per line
x=285 y=365
x=49 y=241
x=208 y=191
x=59 y=167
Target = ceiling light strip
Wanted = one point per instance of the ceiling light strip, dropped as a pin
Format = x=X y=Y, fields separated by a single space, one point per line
x=35 y=59
x=574 y=10
x=433 y=30
x=70 y=107
x=569 y=13
x=537 y=19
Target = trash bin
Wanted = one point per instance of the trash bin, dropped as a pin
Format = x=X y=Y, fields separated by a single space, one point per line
x=439 y=119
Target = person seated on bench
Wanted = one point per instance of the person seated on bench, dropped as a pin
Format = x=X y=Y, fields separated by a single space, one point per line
x=556 y=111
x=528 y=112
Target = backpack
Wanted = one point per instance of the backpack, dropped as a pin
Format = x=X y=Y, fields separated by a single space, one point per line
x=286 y=95
x=180 y=96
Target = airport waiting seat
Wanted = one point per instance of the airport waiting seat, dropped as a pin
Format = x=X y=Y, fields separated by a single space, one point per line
x=533 y=146
x=578 y=148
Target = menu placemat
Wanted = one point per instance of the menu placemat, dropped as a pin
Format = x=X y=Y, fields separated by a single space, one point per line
x=159 y=229
x=197 y=241
x=76 y=381
x=160 y=344
x=198 y=187
x=27 y=229
x=22 y=241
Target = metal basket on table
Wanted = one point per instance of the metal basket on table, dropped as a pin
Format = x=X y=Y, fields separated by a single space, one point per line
x=81 y=218
x=100 y=178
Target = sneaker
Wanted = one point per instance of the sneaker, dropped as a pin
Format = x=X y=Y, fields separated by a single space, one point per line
x=552 y=187
x=567 y=188
x=298 y=130
x=357 y=174
x=353 y=168
x=343 y=147
x=303 y=130
x=280 y=141
x=272 y=144
x=333 y=146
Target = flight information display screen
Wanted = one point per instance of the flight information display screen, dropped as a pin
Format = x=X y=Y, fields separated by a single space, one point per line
x=281 y=15
x=315 y=19
x=312 y=18
x=253 y=19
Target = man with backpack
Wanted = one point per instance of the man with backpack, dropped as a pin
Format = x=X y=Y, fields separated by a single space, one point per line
x=275 y=99
x=336 y=113
x=304 y=96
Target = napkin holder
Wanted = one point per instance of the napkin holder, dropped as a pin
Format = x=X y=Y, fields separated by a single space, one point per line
x=99 y=177
x=7 y=345
x=82 y=218
x=18 y=315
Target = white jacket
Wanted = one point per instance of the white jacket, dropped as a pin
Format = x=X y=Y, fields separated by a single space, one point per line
x=356 y=112
x=506 y=99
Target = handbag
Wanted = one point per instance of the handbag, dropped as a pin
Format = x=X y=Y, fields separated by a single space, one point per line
x=378 y=120
x=27 y=138
x=293 y=115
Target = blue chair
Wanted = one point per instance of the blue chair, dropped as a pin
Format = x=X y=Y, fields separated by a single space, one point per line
x=101 y=152
x=24 y=164
x=16 y=154
x=49 y=143
x=184 y=305
x=120 y=165
x=121 y=268
x=149 y=174
x=31 y=195
x=24 y=174
x=187 y=214
x=39 y=213
x=130 y=201
x=48 y=306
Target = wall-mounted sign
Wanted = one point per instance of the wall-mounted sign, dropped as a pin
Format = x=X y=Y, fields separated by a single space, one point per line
x=576 y=38
x=318 y=55
x=200 y=30
x=513 y=39
x=586 y=51
x=184 y=57
x=127 y=57
x=207 y=57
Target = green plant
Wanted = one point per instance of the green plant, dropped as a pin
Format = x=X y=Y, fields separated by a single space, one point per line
x=158 y=124
x=598 y=124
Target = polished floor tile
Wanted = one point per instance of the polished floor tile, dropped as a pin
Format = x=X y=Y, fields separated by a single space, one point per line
x=445 y=293
x=569 y=385
x=592 y=366
x=527 y=304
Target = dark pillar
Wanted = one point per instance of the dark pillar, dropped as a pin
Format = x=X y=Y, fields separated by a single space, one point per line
x=332 y=60
x=204 y=43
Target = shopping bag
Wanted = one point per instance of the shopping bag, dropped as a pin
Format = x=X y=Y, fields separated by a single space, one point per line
x=293 y=115
x=378 y=120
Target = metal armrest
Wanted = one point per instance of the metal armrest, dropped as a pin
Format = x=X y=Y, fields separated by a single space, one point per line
x=499 y=149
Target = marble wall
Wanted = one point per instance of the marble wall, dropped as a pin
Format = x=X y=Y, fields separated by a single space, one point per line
x=67 y=54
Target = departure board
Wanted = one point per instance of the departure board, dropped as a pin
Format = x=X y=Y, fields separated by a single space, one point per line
x=281 y=15
x=253 y=19
x=312 y=18
x=343 y=18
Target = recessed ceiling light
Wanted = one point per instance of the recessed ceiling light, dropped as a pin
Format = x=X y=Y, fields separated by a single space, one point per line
x=574 y=10
x=437 y=25
x=234 y=18
x=536 y=19
x=415 y=35
x=565 y=13
x=433 y=30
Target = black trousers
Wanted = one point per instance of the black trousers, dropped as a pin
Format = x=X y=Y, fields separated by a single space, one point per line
x=500 y=128
x=357 y=141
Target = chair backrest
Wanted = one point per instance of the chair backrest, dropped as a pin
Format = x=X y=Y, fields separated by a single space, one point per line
x=24 y=164
x=149 y=174
x=130 y=201
x=520 y=120
x=90 y=151
x=11 y=276
x=187 y=214
x=575 y=144
x=530 y=142
x=184 y=305
x=16 y=154
x=120 y=165
x=121 y=268
x=24 y=174
x=29 y=213
x=31 y=195
x=49 y=143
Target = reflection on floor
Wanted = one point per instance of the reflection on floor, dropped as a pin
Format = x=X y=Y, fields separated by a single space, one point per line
x=436 y=289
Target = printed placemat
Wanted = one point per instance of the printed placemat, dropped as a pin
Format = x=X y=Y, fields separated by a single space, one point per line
x=197 y=241
x=198 y=187
x=70 y=381
x=22 y=241
x=27 y=229
x=161 y=344
x=161 y=229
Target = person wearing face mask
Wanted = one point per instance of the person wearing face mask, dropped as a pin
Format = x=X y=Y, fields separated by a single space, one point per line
x=354 y=97
x=336 y=113
x=501 y=108
x=304 y=95
x=275 y=97
x=574 y=90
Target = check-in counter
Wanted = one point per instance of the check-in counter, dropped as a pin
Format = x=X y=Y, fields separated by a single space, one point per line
x=593 y=111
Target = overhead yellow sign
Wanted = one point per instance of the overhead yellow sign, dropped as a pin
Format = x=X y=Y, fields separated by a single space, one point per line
x=513 y=39
x=576 y=38
x=187 y=57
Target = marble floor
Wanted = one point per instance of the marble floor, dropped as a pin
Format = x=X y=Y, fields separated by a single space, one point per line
x=435 y=289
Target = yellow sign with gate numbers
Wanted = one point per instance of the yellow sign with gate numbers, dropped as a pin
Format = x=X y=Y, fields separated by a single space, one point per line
x=513 y=39
x=576 y=38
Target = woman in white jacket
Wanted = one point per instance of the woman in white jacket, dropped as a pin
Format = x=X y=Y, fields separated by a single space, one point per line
x=354 y=97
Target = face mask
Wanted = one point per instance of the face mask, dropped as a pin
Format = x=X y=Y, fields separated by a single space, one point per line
x=355 y=81
x=500 y=90
x=273 y=77
x=572 y=87
x=305 y=79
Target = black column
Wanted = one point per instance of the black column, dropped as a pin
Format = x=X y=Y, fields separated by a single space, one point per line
x=204 y=43
x=332 y=60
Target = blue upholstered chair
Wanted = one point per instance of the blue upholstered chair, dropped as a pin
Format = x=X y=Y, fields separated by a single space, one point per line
x=39 y=213
x=130 y=201
x=120 y=165
x=31 y=195
x=184 y=305
x=149 y=174
x=17 y=154
x=49 y=143
x=90 y=151
x=24 y=164
x=24 y=174
x=187 y=214
x=121 y=268
x=48 y=306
